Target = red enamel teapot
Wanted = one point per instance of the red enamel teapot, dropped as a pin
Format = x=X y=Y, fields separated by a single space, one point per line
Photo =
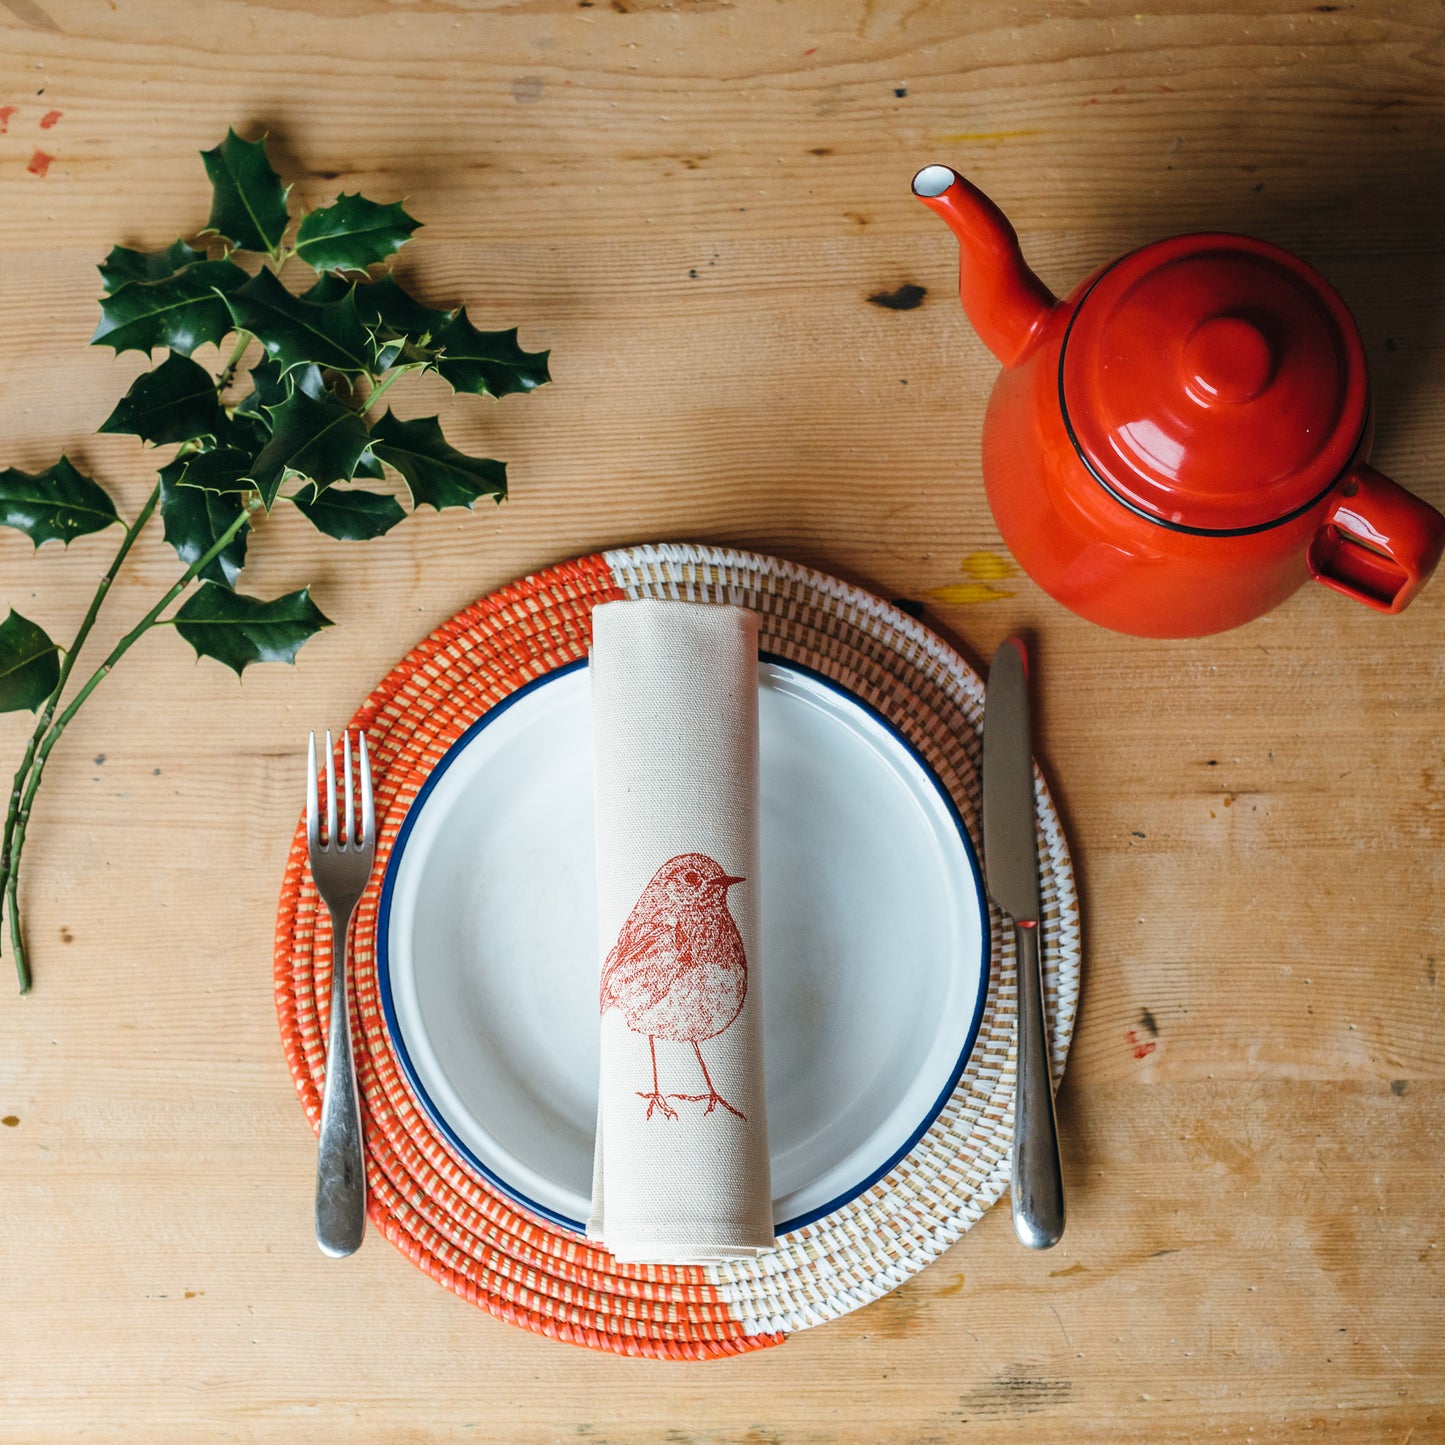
x=1181 y=443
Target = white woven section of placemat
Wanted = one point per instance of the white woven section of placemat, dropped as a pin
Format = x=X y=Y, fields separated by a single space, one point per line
x=931 y=695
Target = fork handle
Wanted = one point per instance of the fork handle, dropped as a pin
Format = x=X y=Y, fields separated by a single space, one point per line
x=340 y=1160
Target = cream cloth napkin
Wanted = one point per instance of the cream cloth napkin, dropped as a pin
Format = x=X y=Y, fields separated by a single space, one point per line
x=680 y=1172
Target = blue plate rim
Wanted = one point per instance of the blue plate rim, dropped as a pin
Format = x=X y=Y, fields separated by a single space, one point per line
x=393 y=1023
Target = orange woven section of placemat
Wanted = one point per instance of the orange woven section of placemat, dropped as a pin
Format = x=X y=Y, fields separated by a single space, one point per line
x=446 y=1220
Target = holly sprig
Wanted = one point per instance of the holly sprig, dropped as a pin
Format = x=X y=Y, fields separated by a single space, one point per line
x=292 y=419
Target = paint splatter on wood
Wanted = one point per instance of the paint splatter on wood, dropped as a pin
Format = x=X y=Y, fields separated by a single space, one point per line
x=39 y=164
x=968 y=593
x=1141 y=1050
x=983 y=569
x=988 y=566
x=49 y=118
x=6 y=111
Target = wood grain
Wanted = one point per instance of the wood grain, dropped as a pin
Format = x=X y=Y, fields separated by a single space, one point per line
x=691 y=204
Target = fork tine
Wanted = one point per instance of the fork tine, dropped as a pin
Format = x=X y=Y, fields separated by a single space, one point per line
x=368 y=814
x=330 y=792
x=348 y=818
x=312 y=821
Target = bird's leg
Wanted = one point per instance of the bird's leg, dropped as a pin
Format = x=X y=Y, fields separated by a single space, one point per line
x=656 y=1100
x=712 y=1096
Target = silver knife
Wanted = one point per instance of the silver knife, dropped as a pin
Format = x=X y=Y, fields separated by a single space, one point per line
x=1011 y=862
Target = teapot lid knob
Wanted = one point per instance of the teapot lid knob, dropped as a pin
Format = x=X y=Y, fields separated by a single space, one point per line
x=1226 y=359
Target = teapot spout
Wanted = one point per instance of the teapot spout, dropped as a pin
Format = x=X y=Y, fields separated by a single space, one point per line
x=1004 y=300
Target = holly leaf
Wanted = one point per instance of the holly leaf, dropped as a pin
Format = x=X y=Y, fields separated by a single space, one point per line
x=388 y=353
x=369 y=465
x=244 y=430
x=174 y=403
x=384 y=304
x=487 y=362
x=59 y=503
x=327 y=287
x=294 y=330
x=435 y=471
x=217 y=469
x=180 y=312
x=352 y=233
x=196 y=520
x=239 y=630
x=395 y=321
x=320 y=440
x=29 y=664
x=124 y=265
x=350 y=513
x=248 y=201
x=271 y=384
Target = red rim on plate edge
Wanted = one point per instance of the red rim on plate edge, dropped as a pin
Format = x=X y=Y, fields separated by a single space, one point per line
x=458 y=1227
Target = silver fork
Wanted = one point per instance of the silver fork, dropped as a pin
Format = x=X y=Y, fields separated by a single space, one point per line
x=340 y=864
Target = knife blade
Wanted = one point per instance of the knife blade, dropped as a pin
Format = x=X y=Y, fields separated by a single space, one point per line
x=1011 y=866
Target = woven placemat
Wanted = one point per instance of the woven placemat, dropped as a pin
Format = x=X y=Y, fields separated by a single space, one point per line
x=474 y=1240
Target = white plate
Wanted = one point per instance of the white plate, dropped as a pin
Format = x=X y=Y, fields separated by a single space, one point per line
x=874 y=944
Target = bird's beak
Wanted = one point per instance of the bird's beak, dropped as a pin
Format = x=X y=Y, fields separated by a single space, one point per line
x=726 y=882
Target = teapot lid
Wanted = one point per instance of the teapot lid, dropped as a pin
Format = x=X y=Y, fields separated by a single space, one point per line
x=1214 y=383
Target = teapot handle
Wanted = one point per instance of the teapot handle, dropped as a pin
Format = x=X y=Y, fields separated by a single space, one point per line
x=1378 y=543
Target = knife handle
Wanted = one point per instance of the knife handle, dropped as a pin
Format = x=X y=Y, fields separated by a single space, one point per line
x=1038 y=1181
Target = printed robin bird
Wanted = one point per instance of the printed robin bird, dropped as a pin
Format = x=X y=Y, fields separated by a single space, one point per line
x=678 y=969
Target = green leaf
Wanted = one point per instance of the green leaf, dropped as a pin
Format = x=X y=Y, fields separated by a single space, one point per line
x=388 y=353
x=58 y=503
x=398 y=325
x=29 y=664
x=269 y=387
x=174 y=403
x=248 y=201
x=369 y=465
x=181 y=311
x=239 y=630
x=328 y=287
x=195 y=521
x=124 y=265
x=352 y=234
x=271 y=384
x=437 y=473
x=487 y=362
x=350 y=513
x=217 y=469
x=244 y=430
x=382 y=303
x=295 y=331
x=319 y=440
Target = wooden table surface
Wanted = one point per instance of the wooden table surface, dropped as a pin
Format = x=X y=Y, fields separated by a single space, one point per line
x=696 y=205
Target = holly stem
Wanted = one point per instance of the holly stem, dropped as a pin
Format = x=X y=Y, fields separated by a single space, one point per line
x=18 y=816
x=228 y=372
x=380 y=389
x=42 y=722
